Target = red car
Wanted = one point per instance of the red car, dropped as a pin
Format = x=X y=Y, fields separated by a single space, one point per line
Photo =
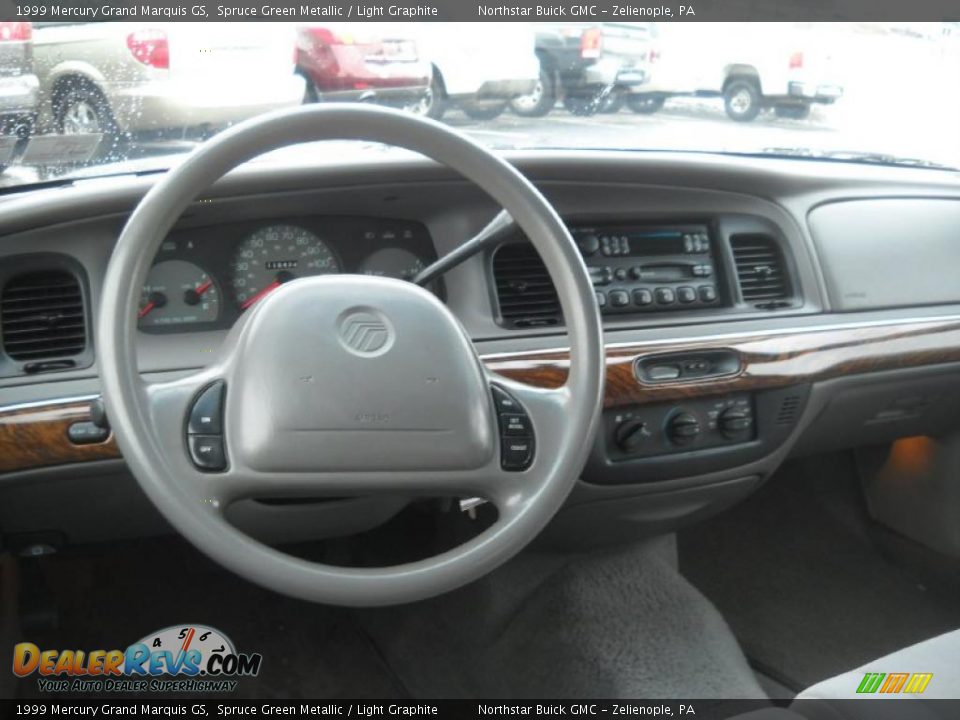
x=361 y=61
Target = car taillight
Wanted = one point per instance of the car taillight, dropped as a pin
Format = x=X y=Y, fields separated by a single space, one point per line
x=150 y=47
x=15 y=31
x=796 y=61
x=591 y=43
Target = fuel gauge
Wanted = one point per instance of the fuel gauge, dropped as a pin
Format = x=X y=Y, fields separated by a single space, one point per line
x=392 y=262
x=178 y=292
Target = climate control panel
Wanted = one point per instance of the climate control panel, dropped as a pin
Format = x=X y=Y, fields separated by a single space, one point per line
x=646 y=431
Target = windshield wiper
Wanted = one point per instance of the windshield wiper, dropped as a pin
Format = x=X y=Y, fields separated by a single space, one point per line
x=854 y=156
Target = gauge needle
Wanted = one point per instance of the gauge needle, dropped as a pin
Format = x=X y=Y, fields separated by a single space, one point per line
x=201 y=289
x=146 y=309
x=266 y=291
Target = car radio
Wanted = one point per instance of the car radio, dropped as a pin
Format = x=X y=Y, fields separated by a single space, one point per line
x=649 y=268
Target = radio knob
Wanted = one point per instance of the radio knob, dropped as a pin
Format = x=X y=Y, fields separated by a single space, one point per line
x=683 y=428
x=735 y=423
x=636 y=272
x=589 y=244
x=631 y=434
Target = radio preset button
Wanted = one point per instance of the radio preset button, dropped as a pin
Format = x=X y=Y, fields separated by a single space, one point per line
x=619 y=298
x=664 y=296
x=601 y=298
x=686 y=294
x=642 y=297
x=620 y=274
x=708 y=293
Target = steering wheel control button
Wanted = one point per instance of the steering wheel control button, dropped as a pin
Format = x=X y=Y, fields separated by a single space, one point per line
x=206 y=416
x=87 y=433
x=516 y=431
x=504 y=402
x=207 y=452
x=517 y=453
x=515 y=425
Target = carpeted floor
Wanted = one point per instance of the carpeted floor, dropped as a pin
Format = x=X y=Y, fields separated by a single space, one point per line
x=620 y=624
x=810 y=586
x=605 y=625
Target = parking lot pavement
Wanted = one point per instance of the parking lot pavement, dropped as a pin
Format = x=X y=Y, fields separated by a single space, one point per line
x=684 y=124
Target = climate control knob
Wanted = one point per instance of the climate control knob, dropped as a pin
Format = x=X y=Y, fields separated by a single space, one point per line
x=631 y=434
x=683 y=428
x=735 y=423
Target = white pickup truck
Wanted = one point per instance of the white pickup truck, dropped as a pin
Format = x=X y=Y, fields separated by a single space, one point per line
x=752 y=66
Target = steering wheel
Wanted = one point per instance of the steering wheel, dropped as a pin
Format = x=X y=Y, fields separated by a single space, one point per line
x=349 y=385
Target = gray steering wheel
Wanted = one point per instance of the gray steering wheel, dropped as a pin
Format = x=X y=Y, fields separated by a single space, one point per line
x=349 y=385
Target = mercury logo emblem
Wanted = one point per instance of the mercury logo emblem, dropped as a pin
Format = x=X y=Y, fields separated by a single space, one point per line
x=365 y=332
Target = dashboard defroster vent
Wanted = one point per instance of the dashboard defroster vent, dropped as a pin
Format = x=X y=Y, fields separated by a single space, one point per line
x=42 y=316
x=761 y=271
x=525 y=293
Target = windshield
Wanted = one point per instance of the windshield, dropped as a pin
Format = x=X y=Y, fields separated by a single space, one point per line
x=112 y=97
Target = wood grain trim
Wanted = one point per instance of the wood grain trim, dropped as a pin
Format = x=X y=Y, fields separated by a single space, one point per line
x=768 y=361
x=37 y=437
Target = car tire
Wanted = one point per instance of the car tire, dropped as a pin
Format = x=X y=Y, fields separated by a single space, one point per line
x=581 y=105
x=645 y=104
x=82 y=108
x=540 y=101
x=793 y=112
x=478 y=110
x=433 y=102
x=742 y=100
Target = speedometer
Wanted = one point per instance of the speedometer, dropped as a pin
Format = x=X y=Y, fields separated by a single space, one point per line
x=277 y=254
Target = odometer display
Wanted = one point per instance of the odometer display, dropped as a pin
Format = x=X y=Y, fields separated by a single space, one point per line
x=275 y=255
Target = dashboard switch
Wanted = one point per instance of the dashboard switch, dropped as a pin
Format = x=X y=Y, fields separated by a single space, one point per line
x=206 y=416
x=207 y=452
x=659 y=373
x=87 y=433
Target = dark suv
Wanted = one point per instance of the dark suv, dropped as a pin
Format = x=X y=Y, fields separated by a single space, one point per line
x=585 y=64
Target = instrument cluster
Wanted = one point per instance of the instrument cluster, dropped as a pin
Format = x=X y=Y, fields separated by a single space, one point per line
x=204 y=278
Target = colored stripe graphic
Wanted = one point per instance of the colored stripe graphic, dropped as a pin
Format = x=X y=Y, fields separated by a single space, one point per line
x=894 y=683
x=870 y=682
x=918 y=682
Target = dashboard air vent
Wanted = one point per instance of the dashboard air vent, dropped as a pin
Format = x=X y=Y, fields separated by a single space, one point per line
x=789 y=410
x=761 y=271
x=525 y=292
x=41 y=316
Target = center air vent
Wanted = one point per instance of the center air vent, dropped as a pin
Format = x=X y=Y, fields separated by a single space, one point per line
x=761 y=271
x=41 y=316
x=525 y=292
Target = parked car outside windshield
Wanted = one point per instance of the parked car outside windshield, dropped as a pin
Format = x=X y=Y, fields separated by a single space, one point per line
x=148 y=92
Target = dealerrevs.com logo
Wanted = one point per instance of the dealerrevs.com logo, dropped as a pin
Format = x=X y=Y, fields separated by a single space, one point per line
x=180 y=658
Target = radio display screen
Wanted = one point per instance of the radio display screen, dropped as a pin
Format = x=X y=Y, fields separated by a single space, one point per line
x=645 y=242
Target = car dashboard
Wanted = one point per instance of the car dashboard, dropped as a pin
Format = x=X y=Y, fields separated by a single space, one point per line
x=753 y=309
